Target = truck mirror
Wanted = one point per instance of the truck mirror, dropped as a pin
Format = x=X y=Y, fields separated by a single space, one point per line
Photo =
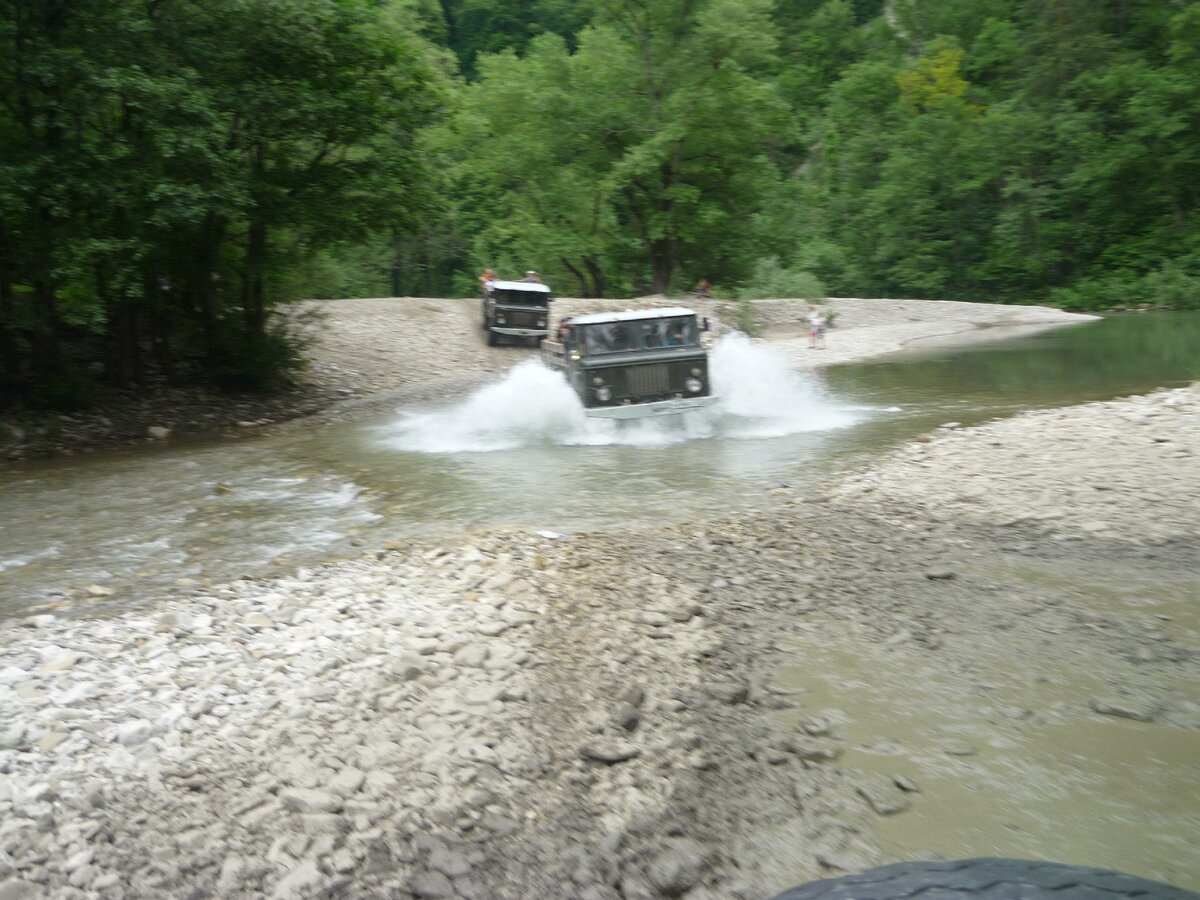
x=704 y=326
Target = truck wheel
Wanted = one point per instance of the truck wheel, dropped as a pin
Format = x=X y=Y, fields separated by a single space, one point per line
x=979 y=879
x=493 y=339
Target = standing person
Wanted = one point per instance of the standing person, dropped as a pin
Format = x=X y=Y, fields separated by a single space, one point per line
x=531 y=277
x=703 y=287
x=487 y=278
x=816 y=329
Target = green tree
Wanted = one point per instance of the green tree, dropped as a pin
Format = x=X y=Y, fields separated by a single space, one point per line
x=152 y=157
x=648 y=149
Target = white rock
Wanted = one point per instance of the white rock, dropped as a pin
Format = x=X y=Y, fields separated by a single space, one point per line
x=12 y=737
x=12 y=675
x=135 y=732
x=299 y=882
x=309 y=800
x=348 y=781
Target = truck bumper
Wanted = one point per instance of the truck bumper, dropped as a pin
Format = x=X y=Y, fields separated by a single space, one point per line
x=648 y=410
x=519 y=332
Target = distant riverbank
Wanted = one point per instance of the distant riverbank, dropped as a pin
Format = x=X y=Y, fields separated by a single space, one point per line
x=371 y=350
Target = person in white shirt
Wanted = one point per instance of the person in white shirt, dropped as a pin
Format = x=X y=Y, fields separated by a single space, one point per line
x=816 y=329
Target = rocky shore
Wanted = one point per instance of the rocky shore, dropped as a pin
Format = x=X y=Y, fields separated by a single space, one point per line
x=600 y=715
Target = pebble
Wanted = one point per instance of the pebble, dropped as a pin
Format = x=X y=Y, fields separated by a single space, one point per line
x=1124 y=708
x=609 y=752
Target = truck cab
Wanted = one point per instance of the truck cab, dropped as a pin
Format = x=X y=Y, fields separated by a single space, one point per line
x=516 y=309
x=634 y=364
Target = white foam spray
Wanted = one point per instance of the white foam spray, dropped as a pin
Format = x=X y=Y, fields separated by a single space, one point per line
x=761 y=397
x=532 y=404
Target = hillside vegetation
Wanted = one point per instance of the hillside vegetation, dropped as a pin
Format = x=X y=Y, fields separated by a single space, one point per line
x=170 y=172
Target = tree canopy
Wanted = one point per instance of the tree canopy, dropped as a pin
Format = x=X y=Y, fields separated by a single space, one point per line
x=171 y=170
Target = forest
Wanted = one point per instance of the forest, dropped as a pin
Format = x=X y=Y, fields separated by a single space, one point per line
x=174 y=172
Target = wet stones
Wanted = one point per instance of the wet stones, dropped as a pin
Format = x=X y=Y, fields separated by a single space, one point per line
x=884 y=796
x=1137 y=709
x=609 y=752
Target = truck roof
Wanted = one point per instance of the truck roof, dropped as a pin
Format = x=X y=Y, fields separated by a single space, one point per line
x=632 y=315
x=521 y=286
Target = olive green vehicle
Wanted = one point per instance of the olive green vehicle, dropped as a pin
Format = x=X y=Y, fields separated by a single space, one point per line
x=634 y=364
x=516 y=309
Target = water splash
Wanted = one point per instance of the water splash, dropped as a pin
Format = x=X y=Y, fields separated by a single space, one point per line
x=532 y=404
x=761 y=397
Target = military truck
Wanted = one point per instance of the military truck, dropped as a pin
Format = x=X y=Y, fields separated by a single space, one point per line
x=634 y=364
x=516 y=309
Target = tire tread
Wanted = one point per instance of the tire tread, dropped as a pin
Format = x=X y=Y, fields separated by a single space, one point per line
x=987 y=878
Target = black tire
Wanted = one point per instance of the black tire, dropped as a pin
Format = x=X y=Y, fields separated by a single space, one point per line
x=493 y=339
x=1003 y=879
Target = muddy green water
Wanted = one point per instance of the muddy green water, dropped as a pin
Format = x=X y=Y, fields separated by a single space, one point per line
x=1088 y=790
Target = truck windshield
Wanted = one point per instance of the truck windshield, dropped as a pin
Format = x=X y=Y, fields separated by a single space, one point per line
x=521 y=298
x=648 y=334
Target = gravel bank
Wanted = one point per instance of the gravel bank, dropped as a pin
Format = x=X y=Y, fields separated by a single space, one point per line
x=594 y=715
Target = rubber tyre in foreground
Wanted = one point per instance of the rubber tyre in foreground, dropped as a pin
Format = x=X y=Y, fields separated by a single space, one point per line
x=987 y=878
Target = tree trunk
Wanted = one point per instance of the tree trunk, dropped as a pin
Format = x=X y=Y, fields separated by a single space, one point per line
x=205 y=283
x=599 y=283
x=10 y=361
x=662 y=265
x=254 y=303
x=160 y=328
x=124 y=365
x=46 y=355
x=579 y=276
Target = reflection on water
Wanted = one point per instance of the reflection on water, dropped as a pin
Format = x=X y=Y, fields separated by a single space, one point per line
x=1116 y=356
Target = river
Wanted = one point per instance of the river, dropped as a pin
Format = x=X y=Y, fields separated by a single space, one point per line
x=518 y=452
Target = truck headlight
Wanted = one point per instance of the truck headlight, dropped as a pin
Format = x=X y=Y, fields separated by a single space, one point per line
x=695 y=385
x=604 y=394
x=541 y=323
x=500 y=320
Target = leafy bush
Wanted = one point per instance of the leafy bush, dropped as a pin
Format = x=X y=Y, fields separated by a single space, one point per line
x=1171 y=286
x=1174 y=286
x=771 y=280
x=64 y=391
x=745 y=317
x=246 y=361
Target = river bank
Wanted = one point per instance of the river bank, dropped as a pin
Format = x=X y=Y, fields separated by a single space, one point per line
x=367 y=352
x=637 y=713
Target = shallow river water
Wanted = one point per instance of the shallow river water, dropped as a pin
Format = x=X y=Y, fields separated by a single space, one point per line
x=519 y=452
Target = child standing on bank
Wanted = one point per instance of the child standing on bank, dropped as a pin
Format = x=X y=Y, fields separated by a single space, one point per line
x=816 y=329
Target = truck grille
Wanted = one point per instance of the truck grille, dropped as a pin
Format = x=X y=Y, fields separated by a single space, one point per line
x=523 y=318
x=648 y=380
